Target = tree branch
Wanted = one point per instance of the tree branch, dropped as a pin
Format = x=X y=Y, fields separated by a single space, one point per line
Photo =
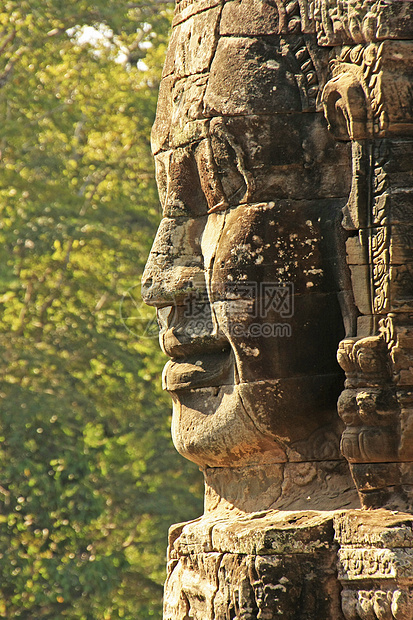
x=10 y=65
x=7 y=40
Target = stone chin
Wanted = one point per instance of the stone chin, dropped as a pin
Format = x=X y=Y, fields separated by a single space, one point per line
x=211 y=427
x=244 y=424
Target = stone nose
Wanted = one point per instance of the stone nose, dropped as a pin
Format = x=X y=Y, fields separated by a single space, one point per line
x=175 y=265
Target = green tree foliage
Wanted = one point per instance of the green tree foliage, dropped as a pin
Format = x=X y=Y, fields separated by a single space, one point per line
x=89 y=480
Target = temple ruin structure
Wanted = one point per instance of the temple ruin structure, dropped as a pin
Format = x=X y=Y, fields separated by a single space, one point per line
x=283 y=144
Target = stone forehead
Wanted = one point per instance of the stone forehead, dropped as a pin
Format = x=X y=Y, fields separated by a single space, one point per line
x=247 y=67
x=208 y=74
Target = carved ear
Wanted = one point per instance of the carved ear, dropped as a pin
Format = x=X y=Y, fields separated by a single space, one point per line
x=346 y=108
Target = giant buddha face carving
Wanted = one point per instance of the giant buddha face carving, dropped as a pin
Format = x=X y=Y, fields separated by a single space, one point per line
x=245 y=270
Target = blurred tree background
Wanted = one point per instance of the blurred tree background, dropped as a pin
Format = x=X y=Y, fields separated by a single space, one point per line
x=89 y=479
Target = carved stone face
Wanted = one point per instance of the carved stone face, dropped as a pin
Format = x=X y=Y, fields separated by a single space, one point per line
x=245 y=270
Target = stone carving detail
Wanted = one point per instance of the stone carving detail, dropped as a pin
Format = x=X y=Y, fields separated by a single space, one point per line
x=279 y=16
x=375 y=565
x=360 y=107
x=244 y=587
x=341 y=22
x=283 y=564
x=380 y=604
x=221 y=573
x=353 y=98
x=283 y=146
x=247 y=261
x=379 y=239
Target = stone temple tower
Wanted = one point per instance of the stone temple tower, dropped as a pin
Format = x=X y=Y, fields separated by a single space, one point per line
x=283 y=144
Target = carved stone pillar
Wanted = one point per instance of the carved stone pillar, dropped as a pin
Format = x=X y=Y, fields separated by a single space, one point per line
x=369 y=101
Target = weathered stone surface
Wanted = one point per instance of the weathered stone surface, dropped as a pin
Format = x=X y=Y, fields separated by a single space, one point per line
x=298 y=565
x=263 y=565
x=185 y=9
x=366 y=99
x=373 y=86
x=254 y=166
x=256 y=76
x=180 y=120
x=375 y=564
x=250 y=587
x=288 y=233
x=285 y=486
x=243 y=18
x=355 y=22
x=196 y=40
x=379 y=528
